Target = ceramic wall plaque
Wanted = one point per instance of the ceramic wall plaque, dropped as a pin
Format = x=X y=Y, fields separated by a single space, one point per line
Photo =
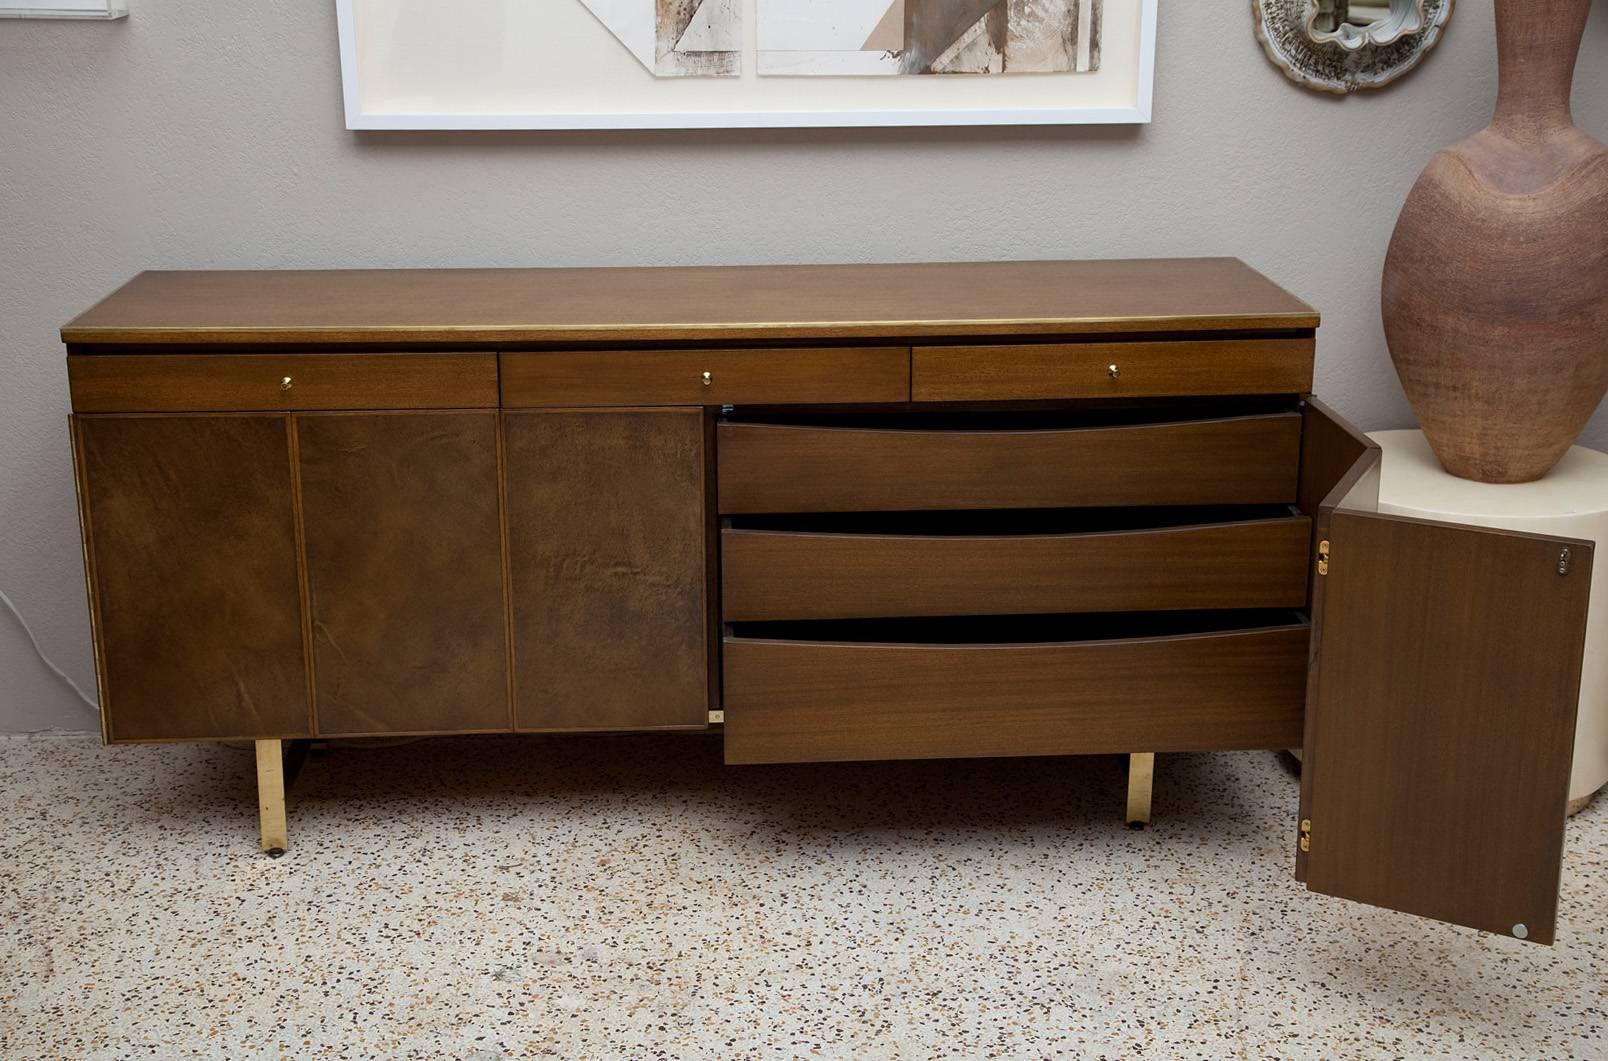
x=1343 y=46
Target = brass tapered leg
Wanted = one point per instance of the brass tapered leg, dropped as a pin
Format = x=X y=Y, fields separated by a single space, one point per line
x=271 y=796
x=1141 y=772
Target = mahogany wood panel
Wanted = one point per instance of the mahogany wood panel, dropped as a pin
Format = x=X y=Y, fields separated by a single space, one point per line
x=781 y=468
x=403 y=527
x=607 y=549
x=251 y=382
x=1445 y=683
x=800 y=701
x=1083 y=370
x=711 y=533
x=92 y=597
x=1332 y=462
x=700 y=304
x=1330 y=451
x=768 y=575
x=676 y=377
x=197 y=599
x=1338 y=464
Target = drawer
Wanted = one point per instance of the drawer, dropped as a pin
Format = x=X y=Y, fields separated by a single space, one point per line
x=773 y=575
x=824 y=376
x=174 y=383
x=1112 y=370
x=1247 y=460
x=884 y=694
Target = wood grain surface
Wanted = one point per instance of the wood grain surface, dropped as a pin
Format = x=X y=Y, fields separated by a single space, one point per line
x=196 y=580
x=701 y=304
x=607 y=551
x=1333 y=453
x=785 y=468
x=801 y=701
x=1111 y=370
x=1331 y=447
x=253 y=382
x=770 y=575
x=562 y=378
x=403 y=533
x=1339 y=466
x=1445 y=681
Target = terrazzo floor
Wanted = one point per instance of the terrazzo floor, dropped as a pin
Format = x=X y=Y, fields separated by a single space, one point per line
x=628 y=897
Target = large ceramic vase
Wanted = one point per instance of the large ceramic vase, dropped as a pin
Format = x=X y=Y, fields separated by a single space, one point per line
x=1496 y=284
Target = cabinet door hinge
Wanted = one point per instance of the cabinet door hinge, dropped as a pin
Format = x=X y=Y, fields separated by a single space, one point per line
x=1323 y=557
x=1306 y=834
x=717 y=718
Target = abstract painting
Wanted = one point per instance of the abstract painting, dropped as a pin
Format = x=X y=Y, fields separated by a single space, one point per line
x=746 y=64
x=859 y=38
x=677 y=38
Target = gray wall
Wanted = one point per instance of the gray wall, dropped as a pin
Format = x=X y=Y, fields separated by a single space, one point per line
x=205 y=135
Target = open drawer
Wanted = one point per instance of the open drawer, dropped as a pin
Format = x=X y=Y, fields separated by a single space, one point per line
x=1049 y=460
x=1013 y=563
x=935 y=688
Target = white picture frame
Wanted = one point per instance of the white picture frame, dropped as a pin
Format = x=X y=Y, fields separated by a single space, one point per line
x=382 y=94
x=105 y=10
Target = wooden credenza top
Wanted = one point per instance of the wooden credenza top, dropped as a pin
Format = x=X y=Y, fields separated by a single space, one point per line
x=691 y=304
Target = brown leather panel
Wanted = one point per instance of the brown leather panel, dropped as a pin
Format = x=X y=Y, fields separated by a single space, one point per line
x=404 y=565
x=607 y=551
x=194 y=543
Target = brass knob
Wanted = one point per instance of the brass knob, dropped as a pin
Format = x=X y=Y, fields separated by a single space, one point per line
x=1113 y=371
x=708 y=379
x=284 y=384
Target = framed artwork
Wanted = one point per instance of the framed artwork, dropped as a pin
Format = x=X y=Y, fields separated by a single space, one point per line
x=102 y=9
x=667 y=64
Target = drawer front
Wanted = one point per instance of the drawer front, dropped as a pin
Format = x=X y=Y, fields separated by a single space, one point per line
x=770 y=575
x=799 y=701
x=705 y=377
x=778 y=468
x=162 y=383
x=1112 y=370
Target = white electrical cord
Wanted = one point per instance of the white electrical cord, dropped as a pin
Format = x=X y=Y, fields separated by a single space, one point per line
x=368 y=742
x=364 y=742
x=40 y=652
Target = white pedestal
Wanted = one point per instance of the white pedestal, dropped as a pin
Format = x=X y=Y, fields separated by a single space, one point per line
x=1571 y=502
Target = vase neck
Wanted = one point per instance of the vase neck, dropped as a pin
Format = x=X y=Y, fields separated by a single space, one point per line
x=1537 y=43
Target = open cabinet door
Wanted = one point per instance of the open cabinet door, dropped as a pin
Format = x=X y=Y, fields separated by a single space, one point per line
x=1441 y=712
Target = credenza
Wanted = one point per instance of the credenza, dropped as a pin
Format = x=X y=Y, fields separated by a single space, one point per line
x=860 y=512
